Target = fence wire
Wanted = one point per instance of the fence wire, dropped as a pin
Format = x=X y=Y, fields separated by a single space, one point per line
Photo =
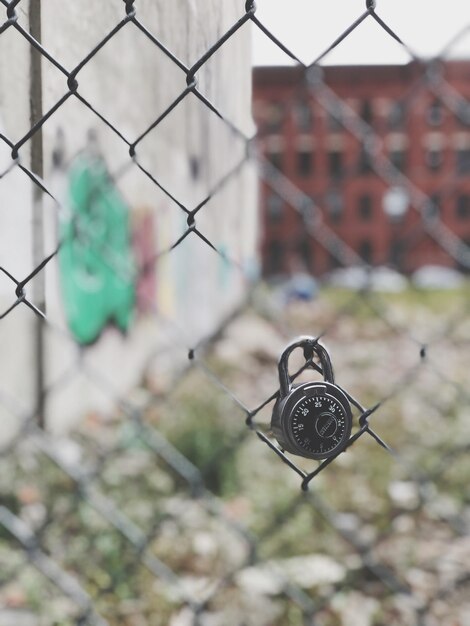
x=127 y=521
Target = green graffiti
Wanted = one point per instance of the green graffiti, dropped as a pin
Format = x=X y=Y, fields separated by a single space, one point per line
x=95 y=259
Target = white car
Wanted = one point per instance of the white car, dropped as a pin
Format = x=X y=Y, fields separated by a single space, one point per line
x=360 y=277
x=437 y=277
x=389 y=280
x=355 y=278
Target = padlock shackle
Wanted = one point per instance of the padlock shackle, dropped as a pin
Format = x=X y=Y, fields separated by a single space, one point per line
x=310 y=346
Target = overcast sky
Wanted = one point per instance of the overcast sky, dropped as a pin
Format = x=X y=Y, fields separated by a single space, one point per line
x=308 y=27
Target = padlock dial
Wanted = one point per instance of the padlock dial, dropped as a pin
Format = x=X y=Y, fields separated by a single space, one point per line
x=319 y=426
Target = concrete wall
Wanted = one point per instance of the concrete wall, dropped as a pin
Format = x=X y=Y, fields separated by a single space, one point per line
x=131 y=82
x=16 y=329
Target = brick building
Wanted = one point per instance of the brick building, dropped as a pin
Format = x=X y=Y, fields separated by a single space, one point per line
x=330 y=138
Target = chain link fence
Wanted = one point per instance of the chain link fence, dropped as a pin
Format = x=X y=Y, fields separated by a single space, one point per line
x=167 y=501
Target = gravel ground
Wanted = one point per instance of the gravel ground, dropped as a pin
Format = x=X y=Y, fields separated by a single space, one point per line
x=379 y=539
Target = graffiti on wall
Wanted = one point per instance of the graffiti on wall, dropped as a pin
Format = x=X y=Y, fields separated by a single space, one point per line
x=110 y=271
x=96 y=261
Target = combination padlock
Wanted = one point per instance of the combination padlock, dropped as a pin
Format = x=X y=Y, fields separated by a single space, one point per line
x=313 y=419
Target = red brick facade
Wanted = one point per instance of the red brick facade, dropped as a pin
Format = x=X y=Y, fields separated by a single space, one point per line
x=422 y=121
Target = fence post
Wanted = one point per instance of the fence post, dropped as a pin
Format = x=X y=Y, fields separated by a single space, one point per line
x=37 y=166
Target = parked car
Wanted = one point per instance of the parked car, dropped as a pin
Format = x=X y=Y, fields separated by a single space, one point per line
x=300 y=286
x=386 y=279
x=437 y=277
x=360 y=277
x=354 y=278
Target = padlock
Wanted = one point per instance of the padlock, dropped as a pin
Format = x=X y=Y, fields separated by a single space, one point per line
x=312 y=419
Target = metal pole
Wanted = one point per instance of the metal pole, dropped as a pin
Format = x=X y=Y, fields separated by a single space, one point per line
x=37 y=166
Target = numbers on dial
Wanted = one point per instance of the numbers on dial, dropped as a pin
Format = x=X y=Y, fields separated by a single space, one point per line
x=319 y=425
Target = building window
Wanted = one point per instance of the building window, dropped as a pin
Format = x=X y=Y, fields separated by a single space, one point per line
x=464 y=246
x=397 y=249
x=275 y=158
x=334 y=204
x=397 y=116
x=303 y=115
x=306 y=209
x=463 y=160
x=304 y=249
x=398 y=159
x=335 y=163
x=365 y=161
x=463 y=206
x=432 y=208
x=274 y=206
x=334 y=256
x=275 y=257
x=335 y=119
x=434 y=114
x=367 y=113
x=433 y=158
x=304 y=163
x=395 y=203
x=365 y=250
x=274 y=117
x=463 y=113
x=365 y=207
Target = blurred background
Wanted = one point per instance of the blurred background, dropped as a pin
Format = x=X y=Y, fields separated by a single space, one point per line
x=185 y=188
